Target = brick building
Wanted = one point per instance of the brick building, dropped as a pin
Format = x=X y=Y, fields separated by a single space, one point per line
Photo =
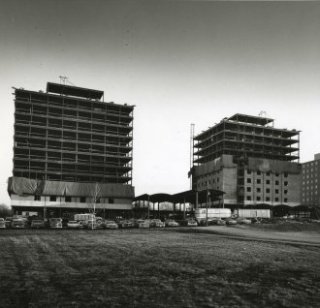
x=310 y=195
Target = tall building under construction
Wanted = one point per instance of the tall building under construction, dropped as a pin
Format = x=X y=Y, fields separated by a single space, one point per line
x=250 y=160
x=72 y=151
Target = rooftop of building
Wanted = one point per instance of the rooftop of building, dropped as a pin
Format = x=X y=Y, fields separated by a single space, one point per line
x=64 y=89
x=250 y=121
x=316 y=158
x=72 y=93
x=245 y=118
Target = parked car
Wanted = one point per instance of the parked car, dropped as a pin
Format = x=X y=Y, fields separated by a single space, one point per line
x=189 y=222
x=243 y=221
x=157 y=223
x=18 y=223
x=171 y=223
x=90 y=224
x=73 y=224
x=231 y=222
x=217 y=221
x=110 y=224
x=136 y=222
x=55 y=223
x=99 y=222
x=38 y=224
x=256 y=220
x=65 y=221
x=144 y=223
x=2 y=223
x=126 y=224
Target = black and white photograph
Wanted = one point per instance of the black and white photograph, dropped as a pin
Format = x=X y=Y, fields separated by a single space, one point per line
x=159 y=153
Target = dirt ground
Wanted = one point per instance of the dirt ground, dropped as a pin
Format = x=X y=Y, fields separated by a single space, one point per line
x=153 y=268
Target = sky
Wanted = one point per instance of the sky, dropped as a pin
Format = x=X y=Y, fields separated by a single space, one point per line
x=179 y=62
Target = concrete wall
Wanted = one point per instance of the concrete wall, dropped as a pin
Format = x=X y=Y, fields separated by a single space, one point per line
x=265 y=181
x=28 y=201
x=220 y=174
x=229 y=185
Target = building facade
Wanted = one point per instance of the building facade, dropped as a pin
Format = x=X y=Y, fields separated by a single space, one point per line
x=250 y=160
x=72 y=150
x=310 y=195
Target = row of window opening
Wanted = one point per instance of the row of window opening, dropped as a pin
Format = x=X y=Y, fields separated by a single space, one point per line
x=70 y=199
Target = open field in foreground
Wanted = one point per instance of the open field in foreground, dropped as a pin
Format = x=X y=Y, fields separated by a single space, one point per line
x=153 y=268
x=293 y=232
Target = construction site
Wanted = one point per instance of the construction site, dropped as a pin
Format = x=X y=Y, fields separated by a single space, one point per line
x=250 y=160
x=72 y=152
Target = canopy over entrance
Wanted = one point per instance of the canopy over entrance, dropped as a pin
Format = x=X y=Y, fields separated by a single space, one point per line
x=188 y=196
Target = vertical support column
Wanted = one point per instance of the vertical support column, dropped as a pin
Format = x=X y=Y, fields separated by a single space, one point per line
x=298 y=147
x=191 y=154
x=131 y=173
x=159 y=210
x=207 y=197
x=44 y=213
x=30 y=125
x=196 y=201
x=62 y=142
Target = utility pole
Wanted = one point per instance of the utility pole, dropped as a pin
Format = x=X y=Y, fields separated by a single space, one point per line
x=191 y=152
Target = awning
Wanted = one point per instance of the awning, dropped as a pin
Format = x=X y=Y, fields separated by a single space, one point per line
x=188 y=196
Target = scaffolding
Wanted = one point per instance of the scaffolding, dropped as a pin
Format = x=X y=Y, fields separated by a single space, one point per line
x=71 y=134
x=246 y=136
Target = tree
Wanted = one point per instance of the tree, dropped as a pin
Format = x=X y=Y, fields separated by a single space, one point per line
x=5 y=210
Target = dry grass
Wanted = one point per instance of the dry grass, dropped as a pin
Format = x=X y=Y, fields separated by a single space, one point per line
x=142 y=268
x=290 y=226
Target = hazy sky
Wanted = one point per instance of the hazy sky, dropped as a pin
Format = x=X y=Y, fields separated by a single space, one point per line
x=178 y=62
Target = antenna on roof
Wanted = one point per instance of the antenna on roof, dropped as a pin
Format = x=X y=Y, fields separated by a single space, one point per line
x=263 y=114
x=64 y=80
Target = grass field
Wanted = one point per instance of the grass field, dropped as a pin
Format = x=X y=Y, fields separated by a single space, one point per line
x=153 y=268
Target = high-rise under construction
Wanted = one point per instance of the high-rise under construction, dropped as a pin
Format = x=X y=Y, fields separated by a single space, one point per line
x=72 y=151
x=250 y=160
